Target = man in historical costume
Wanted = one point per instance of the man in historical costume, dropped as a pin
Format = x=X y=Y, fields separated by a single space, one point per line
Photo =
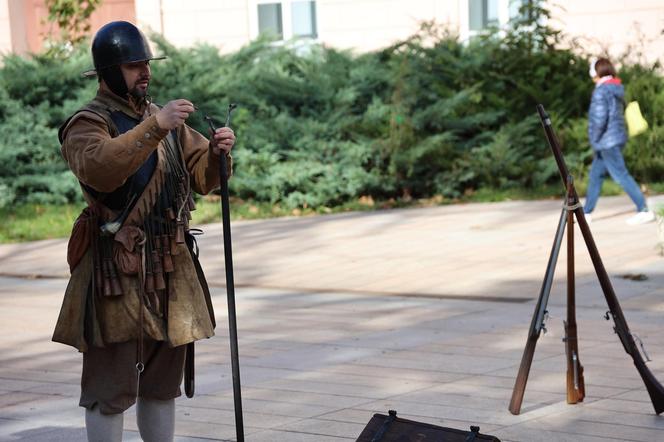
x=137 y=295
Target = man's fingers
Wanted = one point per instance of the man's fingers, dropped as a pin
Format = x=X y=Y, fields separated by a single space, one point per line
x=223 y=142
x=224 y=133
x=224 y=138
x=229 y=141
x=221 y=148
x=185 y=108
x=182 y=105
x=185 y=102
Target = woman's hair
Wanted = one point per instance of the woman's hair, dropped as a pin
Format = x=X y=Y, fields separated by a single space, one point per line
x=603 y=67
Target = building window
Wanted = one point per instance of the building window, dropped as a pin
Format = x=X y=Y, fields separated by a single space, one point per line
x=515 y=7
x=304 y=18
x=482 y=14
x=477 y=15
x=269 y=20
x=285 y=19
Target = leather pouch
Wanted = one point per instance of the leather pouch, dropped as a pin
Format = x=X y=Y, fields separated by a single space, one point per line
x=79 y=241
x=126 y=249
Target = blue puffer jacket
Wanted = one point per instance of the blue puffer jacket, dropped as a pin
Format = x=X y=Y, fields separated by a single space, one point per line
x=606 y=120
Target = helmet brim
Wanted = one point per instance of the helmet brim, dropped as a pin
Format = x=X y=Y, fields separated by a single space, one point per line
x=93 y=72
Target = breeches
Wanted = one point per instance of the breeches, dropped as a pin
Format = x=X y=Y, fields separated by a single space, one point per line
x=109 y=379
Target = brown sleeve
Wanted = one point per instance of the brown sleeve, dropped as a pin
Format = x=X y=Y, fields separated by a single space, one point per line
x=202 y=164
x=102 y=162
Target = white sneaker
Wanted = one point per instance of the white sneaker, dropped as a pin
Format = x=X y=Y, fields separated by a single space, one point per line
x=588 y=217
x=641 y=218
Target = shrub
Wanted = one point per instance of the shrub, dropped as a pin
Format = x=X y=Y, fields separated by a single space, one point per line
x=428 y=115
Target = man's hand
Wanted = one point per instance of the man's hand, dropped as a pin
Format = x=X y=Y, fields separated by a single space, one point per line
x=174 y=113
x=222 y=139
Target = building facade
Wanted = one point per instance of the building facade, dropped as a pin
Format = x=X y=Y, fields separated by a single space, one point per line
x=612 y=26
x=24 y=28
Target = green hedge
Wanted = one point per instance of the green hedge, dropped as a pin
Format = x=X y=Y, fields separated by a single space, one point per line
x=319 y=126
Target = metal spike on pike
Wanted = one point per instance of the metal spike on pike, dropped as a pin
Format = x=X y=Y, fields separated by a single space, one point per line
x=230 y=285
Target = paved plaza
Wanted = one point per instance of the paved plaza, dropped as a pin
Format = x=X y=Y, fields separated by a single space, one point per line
x=425 y=311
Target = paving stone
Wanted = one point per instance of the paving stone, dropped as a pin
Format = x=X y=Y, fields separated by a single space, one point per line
x=643 y=406
x=388 y=373
x=624 y=417
x=290 y=436
x=251 y=419
x=205 y=430
x=325 y=428
x=289 y=396
x=48 y=434
x=571 y=423
x=529 y=433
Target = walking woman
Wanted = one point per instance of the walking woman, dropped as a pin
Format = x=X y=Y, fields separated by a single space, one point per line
x=608 y=136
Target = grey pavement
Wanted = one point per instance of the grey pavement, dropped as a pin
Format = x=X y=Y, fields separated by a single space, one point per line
x=425 y=311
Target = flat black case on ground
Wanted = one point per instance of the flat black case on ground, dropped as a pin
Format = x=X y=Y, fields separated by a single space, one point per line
x=390 y=428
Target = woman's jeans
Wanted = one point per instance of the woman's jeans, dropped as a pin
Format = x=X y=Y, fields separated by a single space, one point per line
x=611 y=161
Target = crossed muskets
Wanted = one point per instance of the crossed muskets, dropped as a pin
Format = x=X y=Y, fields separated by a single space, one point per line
x=575 y=384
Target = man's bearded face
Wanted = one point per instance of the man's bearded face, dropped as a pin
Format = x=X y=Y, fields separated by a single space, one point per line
x=137 y=76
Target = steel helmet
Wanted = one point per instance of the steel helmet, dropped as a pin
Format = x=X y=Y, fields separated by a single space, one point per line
x=120 y=42
x=116 y=43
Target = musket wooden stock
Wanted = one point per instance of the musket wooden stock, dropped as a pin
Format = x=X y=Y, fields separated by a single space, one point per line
x=655 y=389
x=576 y=390
x=522 y=377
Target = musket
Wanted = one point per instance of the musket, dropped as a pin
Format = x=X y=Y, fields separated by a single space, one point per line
x=230 y=284
x=537 y=324
x=576 y=390
x=655 y=389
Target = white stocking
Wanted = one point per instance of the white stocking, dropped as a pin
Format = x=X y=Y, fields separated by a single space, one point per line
x=156 y=419
x=103 y=427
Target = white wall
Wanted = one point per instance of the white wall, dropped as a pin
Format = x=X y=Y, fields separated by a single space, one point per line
x=614 y=25
x=5 y=29
x=230 y=24
x=370 y=24
x=223 y=23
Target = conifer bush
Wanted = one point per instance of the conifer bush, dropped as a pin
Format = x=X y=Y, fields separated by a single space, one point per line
x=427 y=116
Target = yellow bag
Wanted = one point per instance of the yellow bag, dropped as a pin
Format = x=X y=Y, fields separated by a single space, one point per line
x=636 y=124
